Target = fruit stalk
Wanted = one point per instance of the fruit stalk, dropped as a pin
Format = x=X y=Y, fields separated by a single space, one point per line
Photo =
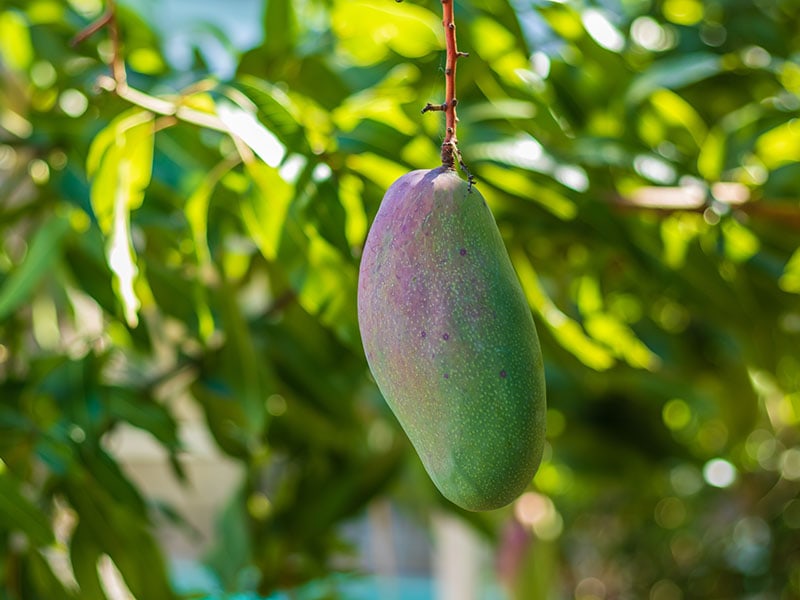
x=450 y=151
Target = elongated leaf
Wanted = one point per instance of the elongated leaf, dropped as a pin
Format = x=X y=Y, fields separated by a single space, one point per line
x=42 y=251
x=264 y=209
x=43 y=580
x=567 y=331
x=674 y=73
x=261 y=140
x=124 y=536
x=84 y=554
x=17 y=513
x=279 y=27
x=120 y=163
x=276 y=111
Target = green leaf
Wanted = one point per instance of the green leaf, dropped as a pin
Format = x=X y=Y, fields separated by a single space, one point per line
x=620 y=338
x=711 y=159
x=567 y=331
x=17 y=513
x=122 y=534
x=790 y=280
x=143 y=412
x=265 y=207
x=416 y=31
x=120 y=164
x=673 y=73
x=326 y=286
x=16 y=48
x=741 y=243
x=780 y=145
x=42 y=252
x=280 y=25
x=513 y=182
x=84 y=554
x=275 y=110
x=43 y=580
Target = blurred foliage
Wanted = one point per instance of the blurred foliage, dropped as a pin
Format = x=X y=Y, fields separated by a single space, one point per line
x=642 y=158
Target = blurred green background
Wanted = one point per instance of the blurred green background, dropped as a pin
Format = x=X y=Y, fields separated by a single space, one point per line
x=185 y=408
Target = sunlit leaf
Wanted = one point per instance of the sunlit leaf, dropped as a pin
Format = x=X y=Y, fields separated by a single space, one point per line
x=497 y=46
x=780 y=145
x=265 y=206
x=567 y=331
x=621 y=339
x=368 y=30
x=790 y=280
x=674 y=73
x=16 y=48
x=677 y=232
x=120 y=164
x=260 y=139
x=676 y=111
x=740 y=242
x=350 y=191
x=711 y=160
x=382 y=171
x=514 y=182
x=326 y=287
x=275 y=110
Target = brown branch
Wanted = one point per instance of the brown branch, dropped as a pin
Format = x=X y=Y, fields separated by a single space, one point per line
x=671 y=200
x=450 y=152
x=92 y=28
x=117 y=83
x=163 y=107
x=117 y=62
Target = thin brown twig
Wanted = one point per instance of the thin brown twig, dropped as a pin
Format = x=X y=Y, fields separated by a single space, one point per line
x=117 y=83
x=92 y=28
x=117 y=62
x=450 y=152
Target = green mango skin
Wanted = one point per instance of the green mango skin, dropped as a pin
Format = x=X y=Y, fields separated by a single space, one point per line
x=450 y=339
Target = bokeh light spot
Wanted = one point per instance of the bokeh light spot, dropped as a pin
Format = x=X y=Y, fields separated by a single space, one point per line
x=665 y=590
x=676 y=414
x=590 y=588
x=790 y=464
x=670 y=513
x=719 y=473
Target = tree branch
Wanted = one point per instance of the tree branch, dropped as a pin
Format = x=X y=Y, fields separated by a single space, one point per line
x=117 y=83
x=450 y=151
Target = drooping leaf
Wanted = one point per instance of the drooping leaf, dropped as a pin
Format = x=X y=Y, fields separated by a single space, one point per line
x=120 y=164
x=115 y=529
x=566 y=330
x=84 y=554
x=42 y=252
x=41 y=578
x=17 y=513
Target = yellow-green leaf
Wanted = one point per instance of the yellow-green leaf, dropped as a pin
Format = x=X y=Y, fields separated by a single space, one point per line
x=120 y=163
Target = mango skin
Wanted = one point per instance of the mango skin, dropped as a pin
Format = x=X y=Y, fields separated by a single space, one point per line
x=450 y=339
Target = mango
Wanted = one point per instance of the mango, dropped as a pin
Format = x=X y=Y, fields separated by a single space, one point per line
x=450 y=340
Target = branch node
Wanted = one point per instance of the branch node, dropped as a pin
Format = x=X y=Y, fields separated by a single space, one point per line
x=434 y=107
